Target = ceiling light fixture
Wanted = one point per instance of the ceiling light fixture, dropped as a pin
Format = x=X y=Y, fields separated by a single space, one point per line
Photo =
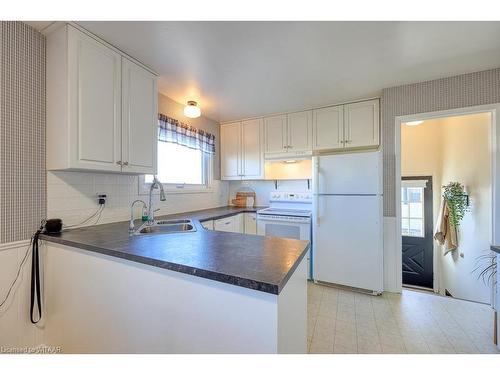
x=192 y=110
x=413 y=123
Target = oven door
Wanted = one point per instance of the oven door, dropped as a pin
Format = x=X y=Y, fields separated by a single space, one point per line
x=276 y=227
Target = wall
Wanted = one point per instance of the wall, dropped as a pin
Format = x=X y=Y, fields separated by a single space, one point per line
x=456 y=149
x=72 y=195
x=22 y=131
x=466 y=158
x=22 y=170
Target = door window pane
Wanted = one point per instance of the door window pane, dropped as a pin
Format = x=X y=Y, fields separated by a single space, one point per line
x=405 y=207
x=416 y=209
x=416 y=229
x=412 y=211
x=415 y=194
x=405 y=227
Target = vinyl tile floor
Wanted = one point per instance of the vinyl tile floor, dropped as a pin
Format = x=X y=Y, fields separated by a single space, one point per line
x=347 y=322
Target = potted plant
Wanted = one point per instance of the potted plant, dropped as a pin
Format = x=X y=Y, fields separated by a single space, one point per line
x=458 y=201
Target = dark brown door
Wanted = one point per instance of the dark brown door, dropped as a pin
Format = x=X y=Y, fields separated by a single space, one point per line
x=416 y=216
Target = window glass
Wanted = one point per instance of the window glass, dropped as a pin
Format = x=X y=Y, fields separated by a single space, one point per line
x=180 y=165
x=412 y=211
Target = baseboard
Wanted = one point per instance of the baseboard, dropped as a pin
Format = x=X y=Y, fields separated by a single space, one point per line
x=14 y=245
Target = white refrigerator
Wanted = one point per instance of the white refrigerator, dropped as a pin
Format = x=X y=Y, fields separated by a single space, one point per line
x=347 y=220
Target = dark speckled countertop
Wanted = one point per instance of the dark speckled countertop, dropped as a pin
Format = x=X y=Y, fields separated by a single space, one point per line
x=496 y=249
x=250 y=261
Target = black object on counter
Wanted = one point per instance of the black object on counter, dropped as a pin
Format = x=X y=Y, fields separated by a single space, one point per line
x=53 y=225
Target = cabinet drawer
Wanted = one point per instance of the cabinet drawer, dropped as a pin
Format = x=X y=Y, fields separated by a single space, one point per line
x=226 y=224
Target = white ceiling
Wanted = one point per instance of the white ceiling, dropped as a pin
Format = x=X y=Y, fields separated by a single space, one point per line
x=244 y=69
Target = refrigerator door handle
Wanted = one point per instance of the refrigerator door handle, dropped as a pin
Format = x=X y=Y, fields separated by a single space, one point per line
x=316 y=198
x=315 y=188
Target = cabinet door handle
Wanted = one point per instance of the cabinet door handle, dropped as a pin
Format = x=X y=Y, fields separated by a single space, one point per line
x=342 y=142
x=119 y=162
x=125 y=163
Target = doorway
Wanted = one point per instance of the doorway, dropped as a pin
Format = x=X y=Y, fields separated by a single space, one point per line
x=438 y=152
x=416 y=228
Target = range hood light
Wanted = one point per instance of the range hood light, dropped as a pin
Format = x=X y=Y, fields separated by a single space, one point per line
x=290 y=161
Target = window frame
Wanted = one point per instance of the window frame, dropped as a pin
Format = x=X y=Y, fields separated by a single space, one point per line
x=206 y=187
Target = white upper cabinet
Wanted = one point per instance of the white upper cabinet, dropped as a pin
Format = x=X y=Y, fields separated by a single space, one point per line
x=328 y=128
x=244 y=144
x=242 y=155
x=349 y=126
x=288 y=135
x=94 y=79
x=362 y=124
x=299 y=131
x=252 y=153
x=230 y=154
x=101 y=107
x=275 y=134
x=139 y=108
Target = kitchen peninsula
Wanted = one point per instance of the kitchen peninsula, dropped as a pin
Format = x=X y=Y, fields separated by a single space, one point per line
x=195 y=292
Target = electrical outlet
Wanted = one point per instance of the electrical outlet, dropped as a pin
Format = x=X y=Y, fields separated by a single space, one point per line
x=101 y=198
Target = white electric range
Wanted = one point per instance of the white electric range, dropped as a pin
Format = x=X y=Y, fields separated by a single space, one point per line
x=289 y=216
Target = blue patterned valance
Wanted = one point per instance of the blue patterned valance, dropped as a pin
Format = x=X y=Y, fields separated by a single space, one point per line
x=174 y=131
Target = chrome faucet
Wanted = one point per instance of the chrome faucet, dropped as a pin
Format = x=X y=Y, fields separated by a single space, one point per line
x=155 y=184
x=131 y=227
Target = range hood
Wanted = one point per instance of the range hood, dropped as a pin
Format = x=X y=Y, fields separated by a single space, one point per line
x=295 y=155
x=288 y=169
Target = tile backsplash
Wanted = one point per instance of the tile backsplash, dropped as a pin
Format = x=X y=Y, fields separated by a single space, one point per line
x=72 y=197
x=263 y=188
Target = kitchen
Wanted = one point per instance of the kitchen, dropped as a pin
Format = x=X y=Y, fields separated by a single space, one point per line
x=240 y=224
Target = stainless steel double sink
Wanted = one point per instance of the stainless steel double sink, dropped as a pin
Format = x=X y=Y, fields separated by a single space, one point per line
x=165 y=226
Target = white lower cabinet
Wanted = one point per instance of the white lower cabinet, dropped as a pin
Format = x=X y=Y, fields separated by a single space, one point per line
x=230 y=224
x=240 y=223
x=250 y=223
x=208 y=224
